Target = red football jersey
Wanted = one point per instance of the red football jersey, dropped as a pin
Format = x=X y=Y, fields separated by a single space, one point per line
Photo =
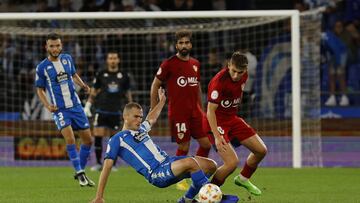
x=182 y=83
x=226 y=93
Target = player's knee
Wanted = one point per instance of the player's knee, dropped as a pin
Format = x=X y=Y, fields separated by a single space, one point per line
x=212 y=166
x=261 y=153
x=231 y=165
x=192 y=164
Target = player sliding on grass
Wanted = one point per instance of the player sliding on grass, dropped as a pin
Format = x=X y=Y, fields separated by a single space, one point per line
x=134 y=145
x=57 y=75
x=224 y=127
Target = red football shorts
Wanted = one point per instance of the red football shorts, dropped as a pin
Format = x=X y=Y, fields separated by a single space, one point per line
x=184 y=127
x=234 y=130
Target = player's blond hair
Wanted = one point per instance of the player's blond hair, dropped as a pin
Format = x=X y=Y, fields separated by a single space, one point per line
x=130 y=106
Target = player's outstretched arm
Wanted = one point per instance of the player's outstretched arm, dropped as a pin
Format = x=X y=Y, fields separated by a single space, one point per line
x=108 y=163
x=155 y=112
x=154 y=92
x=42 y=95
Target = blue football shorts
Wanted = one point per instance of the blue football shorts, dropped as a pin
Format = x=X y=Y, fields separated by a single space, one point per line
x=162 y=176
x=74 y=116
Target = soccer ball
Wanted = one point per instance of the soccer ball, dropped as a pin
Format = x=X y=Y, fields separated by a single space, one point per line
x=210 y=193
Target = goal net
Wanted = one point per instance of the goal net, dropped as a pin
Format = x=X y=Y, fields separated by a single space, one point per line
x=281 y=99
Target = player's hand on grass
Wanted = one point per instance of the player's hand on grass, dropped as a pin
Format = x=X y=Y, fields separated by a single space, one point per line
x=161 y=93
x=52 y=108
x=98 y=200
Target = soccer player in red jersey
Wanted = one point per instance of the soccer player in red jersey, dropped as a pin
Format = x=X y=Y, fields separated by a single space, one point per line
x=226 y=130
x=181 y=75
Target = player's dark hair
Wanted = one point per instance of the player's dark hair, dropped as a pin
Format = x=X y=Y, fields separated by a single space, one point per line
x=53 y=36
x=183 y=33
x=131 y=105
x=239 y=60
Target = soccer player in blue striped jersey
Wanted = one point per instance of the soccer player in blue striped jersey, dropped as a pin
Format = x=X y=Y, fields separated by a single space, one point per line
x=56 y=74
x=134 y=145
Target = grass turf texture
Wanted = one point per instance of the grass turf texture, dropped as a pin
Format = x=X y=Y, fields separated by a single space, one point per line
x=278 y=185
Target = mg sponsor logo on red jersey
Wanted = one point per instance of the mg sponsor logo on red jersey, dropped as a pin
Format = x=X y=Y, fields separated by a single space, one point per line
x=183 y=81
x=230 y=103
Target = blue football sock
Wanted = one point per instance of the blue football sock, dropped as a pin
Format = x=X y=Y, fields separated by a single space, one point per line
x=84 y=155
x=198 y=180
x=73 y=155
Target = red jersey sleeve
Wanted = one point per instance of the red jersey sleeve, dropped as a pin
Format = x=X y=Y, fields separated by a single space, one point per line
x=198 y=72
x=163 y=72
x=214 y=92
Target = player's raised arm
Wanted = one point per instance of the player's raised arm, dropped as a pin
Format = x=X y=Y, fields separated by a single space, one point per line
x=156 y=110
x=154 y=92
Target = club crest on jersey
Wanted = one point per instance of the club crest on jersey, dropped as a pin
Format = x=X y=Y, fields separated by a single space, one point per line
x=64 y=61
x=195 y=68
x=113 y=87
x=227 y=103
x=180 y=135
x=183 y=81
x=119 y=75
x=159 y=71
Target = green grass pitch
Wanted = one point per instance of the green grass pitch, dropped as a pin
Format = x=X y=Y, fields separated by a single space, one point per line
x=56 y=184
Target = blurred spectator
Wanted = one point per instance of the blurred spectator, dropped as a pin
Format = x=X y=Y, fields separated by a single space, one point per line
x=219 y=5
x=177 y=5
x=352 y=18
x=64 y=6
x=212 y=66
x=130 y=5
x=42 y=6
x=89 y=6
x=350 y=42
x=336 y=54
x=151 y=5
x=301 y=6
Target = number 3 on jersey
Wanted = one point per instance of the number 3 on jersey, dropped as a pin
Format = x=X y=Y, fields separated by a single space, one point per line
x=181 y=129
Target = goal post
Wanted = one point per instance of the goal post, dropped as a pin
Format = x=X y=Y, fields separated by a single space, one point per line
x=145 y=39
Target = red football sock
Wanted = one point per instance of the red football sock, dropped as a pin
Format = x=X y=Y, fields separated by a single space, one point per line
x=247 y=171
x=204 y=152
x=180 y=152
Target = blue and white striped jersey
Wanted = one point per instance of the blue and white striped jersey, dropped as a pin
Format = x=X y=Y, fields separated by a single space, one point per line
x=56 y=77
x=137 y=149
